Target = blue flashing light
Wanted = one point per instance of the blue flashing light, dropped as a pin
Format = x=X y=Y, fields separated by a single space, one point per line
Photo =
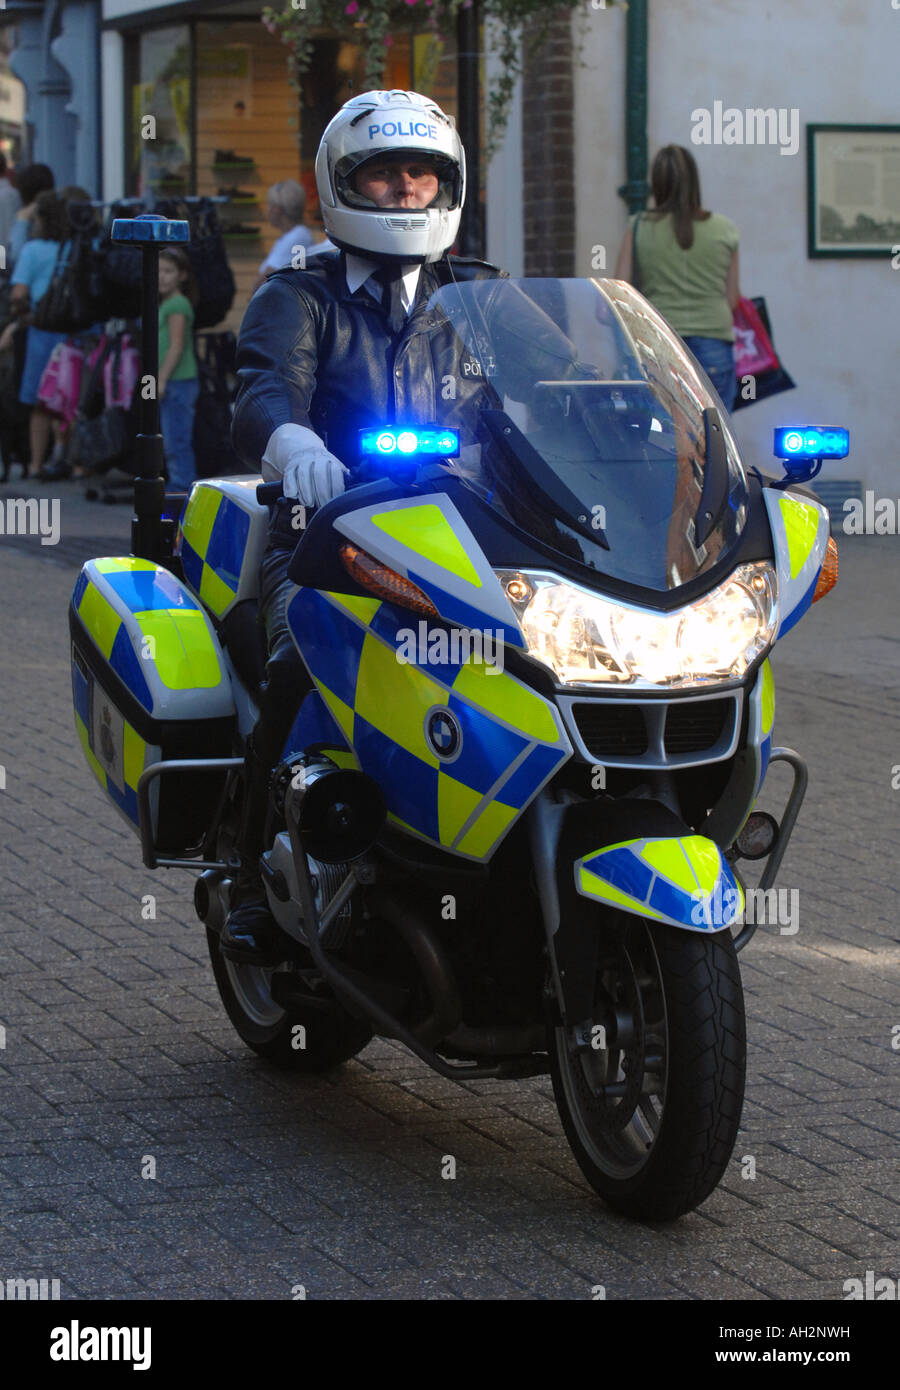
x=410 y=442
x=812 y=442
x=149 y=227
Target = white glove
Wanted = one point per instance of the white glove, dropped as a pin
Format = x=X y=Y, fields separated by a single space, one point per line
x=308 y=471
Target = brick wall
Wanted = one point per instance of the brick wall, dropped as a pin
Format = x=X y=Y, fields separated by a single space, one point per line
x=547 y=154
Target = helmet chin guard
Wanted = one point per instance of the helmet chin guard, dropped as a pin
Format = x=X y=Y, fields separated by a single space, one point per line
x=387 y=125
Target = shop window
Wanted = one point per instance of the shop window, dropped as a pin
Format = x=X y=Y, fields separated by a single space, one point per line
x=160 y=113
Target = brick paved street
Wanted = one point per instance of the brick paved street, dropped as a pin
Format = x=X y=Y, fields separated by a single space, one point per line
x=117 y=1047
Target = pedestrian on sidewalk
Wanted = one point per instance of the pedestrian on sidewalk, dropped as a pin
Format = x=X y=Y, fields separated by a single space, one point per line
x=30 y=281
x=178 y=385
x=31 y=181
x=285 y=208
x=684 y=259
x=10 y=201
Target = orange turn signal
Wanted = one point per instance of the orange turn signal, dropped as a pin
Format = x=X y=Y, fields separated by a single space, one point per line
x=385 y=583
x=829 y=574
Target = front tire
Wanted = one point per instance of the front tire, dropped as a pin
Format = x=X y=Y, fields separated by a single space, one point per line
x=302 y=1039
x=652 y=1115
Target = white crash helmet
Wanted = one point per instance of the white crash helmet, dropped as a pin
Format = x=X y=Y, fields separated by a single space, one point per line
x=371 y=126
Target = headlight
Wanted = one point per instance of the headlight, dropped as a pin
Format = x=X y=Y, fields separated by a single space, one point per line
x=585 y=638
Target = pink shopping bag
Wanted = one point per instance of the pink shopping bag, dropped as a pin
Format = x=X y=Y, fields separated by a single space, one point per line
x=120 y=373
x=60 y=383
x=753 y=350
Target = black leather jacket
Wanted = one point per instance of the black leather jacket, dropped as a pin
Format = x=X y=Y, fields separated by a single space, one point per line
x=312 y=353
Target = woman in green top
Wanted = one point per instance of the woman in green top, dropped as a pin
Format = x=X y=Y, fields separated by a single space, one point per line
x=685 y=260
x=178 y=383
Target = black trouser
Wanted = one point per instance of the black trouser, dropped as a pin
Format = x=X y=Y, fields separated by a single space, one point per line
x=281 y=695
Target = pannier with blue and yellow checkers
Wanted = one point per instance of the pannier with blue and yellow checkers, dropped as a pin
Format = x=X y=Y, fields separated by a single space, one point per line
x=221 y=542
x=150 y=684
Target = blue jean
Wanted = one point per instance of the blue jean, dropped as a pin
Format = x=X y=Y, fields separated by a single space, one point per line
x=176 y=421
x=716 y=357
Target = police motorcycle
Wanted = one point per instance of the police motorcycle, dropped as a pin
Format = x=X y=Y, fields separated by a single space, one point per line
x=508 y=824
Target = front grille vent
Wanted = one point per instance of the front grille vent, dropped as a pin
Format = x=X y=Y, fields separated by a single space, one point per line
x=696 y=726
x=611 y=731
x=659 y=732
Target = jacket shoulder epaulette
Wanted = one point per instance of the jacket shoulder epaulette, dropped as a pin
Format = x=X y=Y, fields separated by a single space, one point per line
x=481 y=264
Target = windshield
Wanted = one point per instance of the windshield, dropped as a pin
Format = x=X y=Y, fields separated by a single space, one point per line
x=586 y=422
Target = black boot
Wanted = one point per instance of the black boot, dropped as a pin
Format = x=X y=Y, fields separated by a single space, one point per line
x=250 y=935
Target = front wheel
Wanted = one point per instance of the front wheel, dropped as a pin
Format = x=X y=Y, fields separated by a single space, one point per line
x=650 y=1090
x=301 y=1038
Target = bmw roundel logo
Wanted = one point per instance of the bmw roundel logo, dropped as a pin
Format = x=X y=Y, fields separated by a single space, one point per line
x=443 y=733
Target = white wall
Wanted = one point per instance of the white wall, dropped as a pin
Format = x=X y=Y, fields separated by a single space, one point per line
x=503 y=183
x=835 y=321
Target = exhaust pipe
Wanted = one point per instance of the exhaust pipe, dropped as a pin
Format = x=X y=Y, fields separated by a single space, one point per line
x=425 y=950
x=444 y=1023
x=211 y=892
x=429 y=955
x=504 y=1040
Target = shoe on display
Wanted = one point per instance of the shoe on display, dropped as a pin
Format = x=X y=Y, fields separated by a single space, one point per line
x=229 y=158
x=238 y=195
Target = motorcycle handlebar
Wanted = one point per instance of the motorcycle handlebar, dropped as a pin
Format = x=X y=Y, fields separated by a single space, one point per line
x=266 y=493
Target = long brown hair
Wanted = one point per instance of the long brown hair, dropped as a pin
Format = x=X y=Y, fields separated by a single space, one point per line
x=188 y=286
x=50 y=217
x=675 y=185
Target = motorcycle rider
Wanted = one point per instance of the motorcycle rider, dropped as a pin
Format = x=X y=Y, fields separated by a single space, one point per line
x=321 y=353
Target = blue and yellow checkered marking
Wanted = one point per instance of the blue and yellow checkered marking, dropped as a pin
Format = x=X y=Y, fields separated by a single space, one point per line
x=142 y=590
x=427 y=540
x=214 y=535
x=800 y=608
x=134 y=751
x=674 y=879
x=81 y=584
x=511 y=739
x=126 y=664
x=455 y=610
x=315 y=724
x=409 y=784
x=332 y=643
x=183 y=654
x=81 y=695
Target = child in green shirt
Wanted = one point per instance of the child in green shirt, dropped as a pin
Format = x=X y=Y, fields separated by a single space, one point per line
x=178 y=381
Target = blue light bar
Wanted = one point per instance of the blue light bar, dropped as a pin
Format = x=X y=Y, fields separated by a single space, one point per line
x=407 y=442
x=812 y=442
x=149 y=226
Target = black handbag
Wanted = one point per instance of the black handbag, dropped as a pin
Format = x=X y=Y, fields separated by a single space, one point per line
x=216 y=286
x=6 y=312
x=95 y=445
x=213 y=450
x=118 y=270
x=68 y=306
x=98 y=437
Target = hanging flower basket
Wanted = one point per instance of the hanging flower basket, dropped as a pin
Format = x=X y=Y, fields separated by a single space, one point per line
x=521 y=27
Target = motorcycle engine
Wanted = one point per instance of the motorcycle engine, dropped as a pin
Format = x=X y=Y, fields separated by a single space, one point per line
x=282 y=891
